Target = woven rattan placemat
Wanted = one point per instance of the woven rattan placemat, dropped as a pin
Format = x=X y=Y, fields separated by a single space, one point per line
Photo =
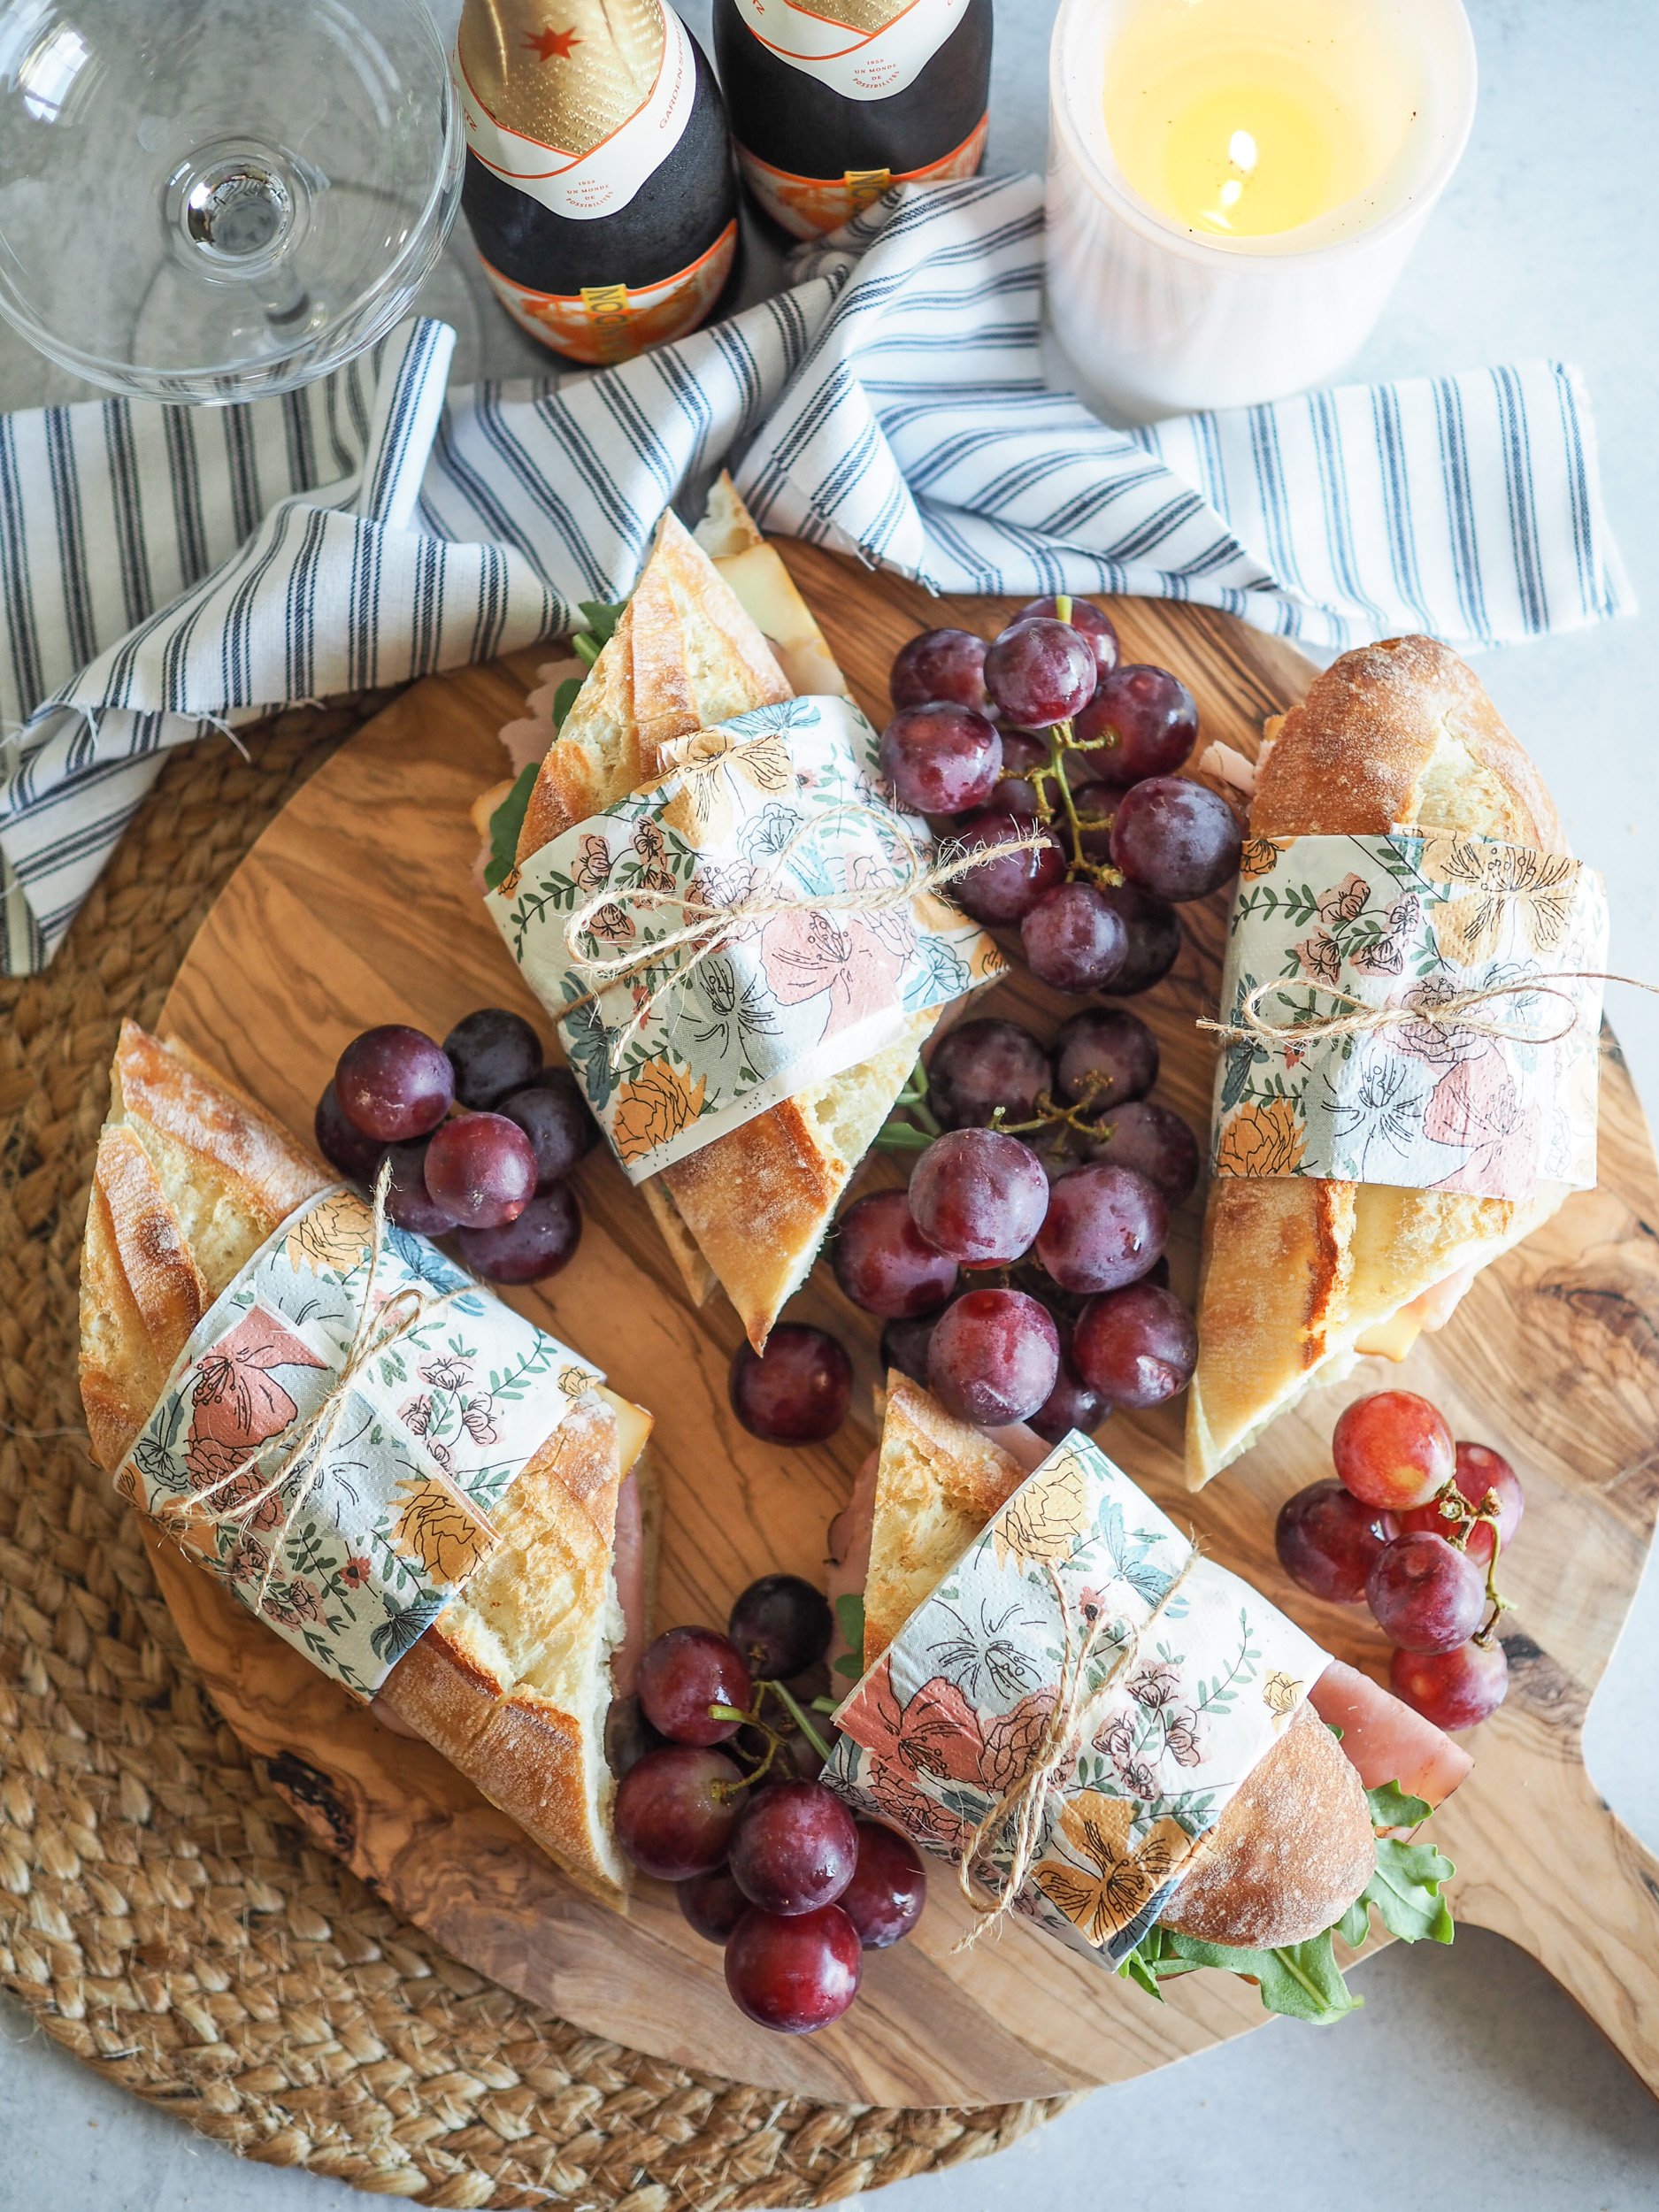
x=161 y=1913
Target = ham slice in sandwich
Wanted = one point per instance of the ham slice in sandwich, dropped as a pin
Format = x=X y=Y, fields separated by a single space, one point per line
x=1302 y=1275
x=514 y=1679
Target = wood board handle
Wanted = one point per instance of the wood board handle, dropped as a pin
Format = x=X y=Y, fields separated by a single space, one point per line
x=1555 y=1868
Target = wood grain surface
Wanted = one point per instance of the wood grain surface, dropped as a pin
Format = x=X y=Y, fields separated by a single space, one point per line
x=358 y=906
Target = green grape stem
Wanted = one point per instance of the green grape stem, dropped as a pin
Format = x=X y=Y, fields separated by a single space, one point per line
x=1050 y=778
x=1465 y=1519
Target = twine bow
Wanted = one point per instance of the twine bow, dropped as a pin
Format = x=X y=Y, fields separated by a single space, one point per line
x=1461 y=1011
x=1026 y=1801
x=378 y=1329
x=706 y=929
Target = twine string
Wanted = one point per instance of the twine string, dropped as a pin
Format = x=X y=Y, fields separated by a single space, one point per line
x=1026 y=1801
x=377 y=1330
x=1462 y=1010
x=705 y=929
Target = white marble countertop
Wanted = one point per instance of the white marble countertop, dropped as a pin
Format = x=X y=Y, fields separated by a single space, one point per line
x=1468 y=2077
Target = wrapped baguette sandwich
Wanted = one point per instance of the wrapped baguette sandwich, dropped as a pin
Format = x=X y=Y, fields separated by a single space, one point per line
x=1302 y=1274
x=750 y=1209
x=513 y=1679
x=1295 y=1845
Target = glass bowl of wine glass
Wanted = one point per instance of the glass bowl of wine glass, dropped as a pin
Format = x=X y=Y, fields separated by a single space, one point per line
x=213 y=199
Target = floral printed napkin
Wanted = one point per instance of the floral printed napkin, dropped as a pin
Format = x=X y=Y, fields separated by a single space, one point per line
x=434 y=1433
x=1414 y=920
x=1192 y=1678
x=786 y=803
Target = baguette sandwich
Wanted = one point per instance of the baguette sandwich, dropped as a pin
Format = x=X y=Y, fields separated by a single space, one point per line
x=749 y=1209
x=514 y=1680
x=1296 y=1844
x=1302 y=1275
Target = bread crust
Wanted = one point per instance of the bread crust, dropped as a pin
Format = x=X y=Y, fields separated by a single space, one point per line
x=1297 y=1270
x=187 y=1167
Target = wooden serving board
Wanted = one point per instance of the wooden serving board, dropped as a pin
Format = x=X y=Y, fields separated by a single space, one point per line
x=358 y=906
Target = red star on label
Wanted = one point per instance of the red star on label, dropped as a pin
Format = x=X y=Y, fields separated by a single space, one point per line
x=552 y=45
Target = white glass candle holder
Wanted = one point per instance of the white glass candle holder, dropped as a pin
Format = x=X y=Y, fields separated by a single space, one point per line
x=1156 y=320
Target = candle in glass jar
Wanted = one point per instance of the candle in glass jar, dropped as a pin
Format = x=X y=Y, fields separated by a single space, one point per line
x=1233 y=185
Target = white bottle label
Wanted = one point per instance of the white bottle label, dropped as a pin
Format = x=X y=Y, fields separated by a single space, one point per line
x=859 y=62
x=606 y=177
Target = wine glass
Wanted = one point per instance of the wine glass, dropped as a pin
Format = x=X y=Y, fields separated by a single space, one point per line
x=213 y=199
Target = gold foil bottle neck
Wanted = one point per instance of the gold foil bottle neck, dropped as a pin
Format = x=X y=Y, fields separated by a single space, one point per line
x=565 y=73
x=866 y=17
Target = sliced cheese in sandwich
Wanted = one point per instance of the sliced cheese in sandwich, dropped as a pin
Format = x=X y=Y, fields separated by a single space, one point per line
x=1302 y=1276
x=750 y=1209
x=513 y=1681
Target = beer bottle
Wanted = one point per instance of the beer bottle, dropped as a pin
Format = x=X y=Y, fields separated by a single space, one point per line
x=833 y=102
x=599 y=184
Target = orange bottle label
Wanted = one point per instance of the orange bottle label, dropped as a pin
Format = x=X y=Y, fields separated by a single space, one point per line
x=606 y=323
x=808 y=206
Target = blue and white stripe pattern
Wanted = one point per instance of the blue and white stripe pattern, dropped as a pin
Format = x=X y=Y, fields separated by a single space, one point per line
x=169 y=572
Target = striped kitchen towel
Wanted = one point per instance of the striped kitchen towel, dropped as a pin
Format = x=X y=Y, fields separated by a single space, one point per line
x=168 y=572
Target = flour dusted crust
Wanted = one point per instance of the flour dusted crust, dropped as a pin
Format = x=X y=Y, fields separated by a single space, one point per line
x=1297 y=1271
x=511 y=1682
x=1293 y=1847
x=750 y=1209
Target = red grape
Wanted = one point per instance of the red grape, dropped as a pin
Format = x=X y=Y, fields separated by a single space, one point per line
x=1479 y=1470
x=981 y=1065
x=554 y=1115
x=1426 y=1595
x=904 y=1346
x=1105 y=1057
x=794 y=1973
x=1105 y=1227
x=675 y=1810
x=685 y=1671
x=994 y=1357
x=796 y=1847
x=1393 y=1450
x=492 y=1051
x=1155 y=939
x=1328 y=1541
x=530 y=1247
x=1137 y=1346
x=1074 y=939
x=1040 y=672
x=1454 y=1689
x=939 y=665
x=712 y=1903
x=884 y=1262
x=1153 y=1141
x=344 y=1146
x=1150 y=720
x=796 y=1391
x=942 y=758
x=885 y=1898
x=1070 y=1405
x=979 y=1196
x=408 y=1200
x=1094 y=623
x=782 y=1625
x=1175 y=837
x=482 y=1168
x=394 y=1083
x=628 y=1735
x=1006 y=888
x=1021 y=753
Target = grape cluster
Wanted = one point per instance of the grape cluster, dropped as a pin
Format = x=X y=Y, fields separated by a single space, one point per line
x=719 y=1756
x=1048 y=1174
x=1042 y=733
x=495 y=1173
x=1413 y=1526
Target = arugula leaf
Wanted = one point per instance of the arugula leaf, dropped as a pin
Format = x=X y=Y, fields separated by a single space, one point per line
x=504 y=825
x=1391 y=1807
x=849 y=1614
x=1137 y=1967
x=1406 y=1890
x=1301 y=1980
x=602 y=617
x=564 y=699
x=1354 y=1925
